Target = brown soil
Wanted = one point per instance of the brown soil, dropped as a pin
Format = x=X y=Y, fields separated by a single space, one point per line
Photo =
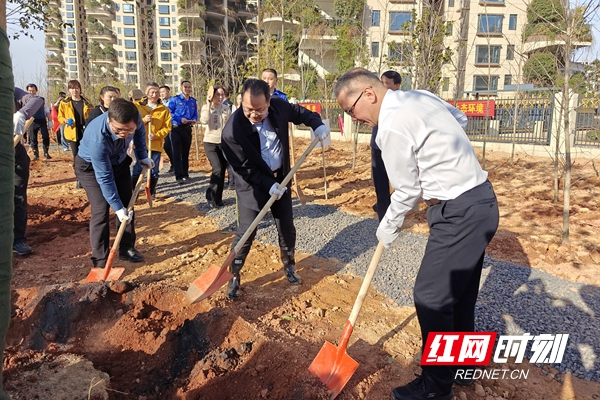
x=145 y=343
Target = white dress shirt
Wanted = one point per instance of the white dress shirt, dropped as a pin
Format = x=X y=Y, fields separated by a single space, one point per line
x=270 y=145
x=425 y=150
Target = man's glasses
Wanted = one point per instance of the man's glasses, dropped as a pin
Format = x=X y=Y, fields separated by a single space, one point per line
x=125 y=132
x=350 y=111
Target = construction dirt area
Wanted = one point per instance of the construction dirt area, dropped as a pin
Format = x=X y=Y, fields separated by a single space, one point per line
x=138 y=339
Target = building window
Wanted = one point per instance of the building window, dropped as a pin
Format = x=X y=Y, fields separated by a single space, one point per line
x=133 y=78
x=449 y=28
x=490 y=23
x=173 y=8
x=375 y=17
x=397 y=52
x=120 y=54
x=130 y=67
x=129 y=44
x=173 y=20
x=450 y=3
x=167 y=67
x=73 y=60
x=175 y=67
x=121 y=76
x=121 y=67
x=163 y=9
x=128 y=8
x=129 y=32
x=72 y=67
x=445 y=84
x=118 y=30
x=74 y=75
x=165 y=45
x=69 y=7
x=71 y=45
x=512 y=22
x=130 y=55
x=165 y=56
x=70 y=15
x=72 y=52
x=487 y=54
x=164 y=33
x=120 y=42
x=398 y=21
x=507 y=80
x=510 y=52
x=375 y=49
x=174 y=32
x=128 y=20
x=164 y=21
x=480 y=83
x=118 y=18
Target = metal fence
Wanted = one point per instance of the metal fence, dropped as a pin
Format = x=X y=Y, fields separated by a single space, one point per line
x=524 y=121
x=587 y=122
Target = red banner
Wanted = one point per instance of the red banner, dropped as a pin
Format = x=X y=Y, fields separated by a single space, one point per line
x=476 y=108
x=314 y=107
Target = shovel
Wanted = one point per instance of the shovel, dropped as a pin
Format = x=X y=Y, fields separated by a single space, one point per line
x=108 y=273
x=149 y=148
x=332 y=365
x=215 y=277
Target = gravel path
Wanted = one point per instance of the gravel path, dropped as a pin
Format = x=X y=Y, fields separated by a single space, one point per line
x=513 y=299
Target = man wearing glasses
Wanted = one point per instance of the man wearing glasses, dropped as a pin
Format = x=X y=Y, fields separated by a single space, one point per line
x=256 y=144
x=102 y=167
x=427 y=154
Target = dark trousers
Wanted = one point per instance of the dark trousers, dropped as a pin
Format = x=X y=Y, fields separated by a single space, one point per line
x=217 y=177
x=99 y=222
x=447 y=283
x=21 y=180
x=168 y=148
x=181 y=141
x=74 y=148
x=39 y=125
x=381 y=183
x=284 y=221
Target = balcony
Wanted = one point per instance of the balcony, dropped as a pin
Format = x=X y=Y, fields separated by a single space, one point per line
x=52 y=31
x=107 y=14
x=191 y=12
x=55 y=45
x=55 y=60
x=319 y=39
x=194 y=37
x=104 y=36
x=105 y=59
x=538 y=42
x=56 y=74
x=191 y=59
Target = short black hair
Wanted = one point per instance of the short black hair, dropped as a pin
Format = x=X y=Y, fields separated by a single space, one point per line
x=165 y=87
x=270 y=70
x=393 y=75
x=63 y=94
x=106 y=89
x=123 y=111
x=185 y=81
x=257 y=87
x=31 y=85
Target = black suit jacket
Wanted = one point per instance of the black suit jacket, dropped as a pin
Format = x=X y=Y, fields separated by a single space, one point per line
x=241 y=146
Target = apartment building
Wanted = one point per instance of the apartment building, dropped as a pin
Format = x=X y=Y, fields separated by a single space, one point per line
x=135 y=42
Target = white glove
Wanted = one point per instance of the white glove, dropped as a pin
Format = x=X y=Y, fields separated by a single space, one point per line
x=386 y=233
x=147 y=162
x=50 y=125
x=322 y=132
x=124 y=216
x=18 y=123
x=274 y=190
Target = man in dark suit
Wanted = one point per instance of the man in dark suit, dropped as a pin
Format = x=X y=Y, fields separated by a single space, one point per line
x=255 y=142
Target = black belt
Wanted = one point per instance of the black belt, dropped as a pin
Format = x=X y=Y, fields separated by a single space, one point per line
x=432 y=202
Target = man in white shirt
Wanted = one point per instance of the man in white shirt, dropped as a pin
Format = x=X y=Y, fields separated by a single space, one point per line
x=427 y=154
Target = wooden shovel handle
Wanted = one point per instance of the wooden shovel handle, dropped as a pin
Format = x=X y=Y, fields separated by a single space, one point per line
x=365 y=284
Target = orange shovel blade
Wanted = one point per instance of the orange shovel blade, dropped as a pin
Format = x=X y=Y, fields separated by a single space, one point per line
x=149 y=196
x=97 y=274
x=207 y=283
x=332 y=370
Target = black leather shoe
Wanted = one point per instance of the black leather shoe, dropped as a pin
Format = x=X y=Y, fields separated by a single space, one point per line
x=47 y=156
x=422 y=388
x=220 y=204
x=460 y=380
x=291 y=275
x=22 y=249
x=131 y=255
x=180 y=181
x=233 y=287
